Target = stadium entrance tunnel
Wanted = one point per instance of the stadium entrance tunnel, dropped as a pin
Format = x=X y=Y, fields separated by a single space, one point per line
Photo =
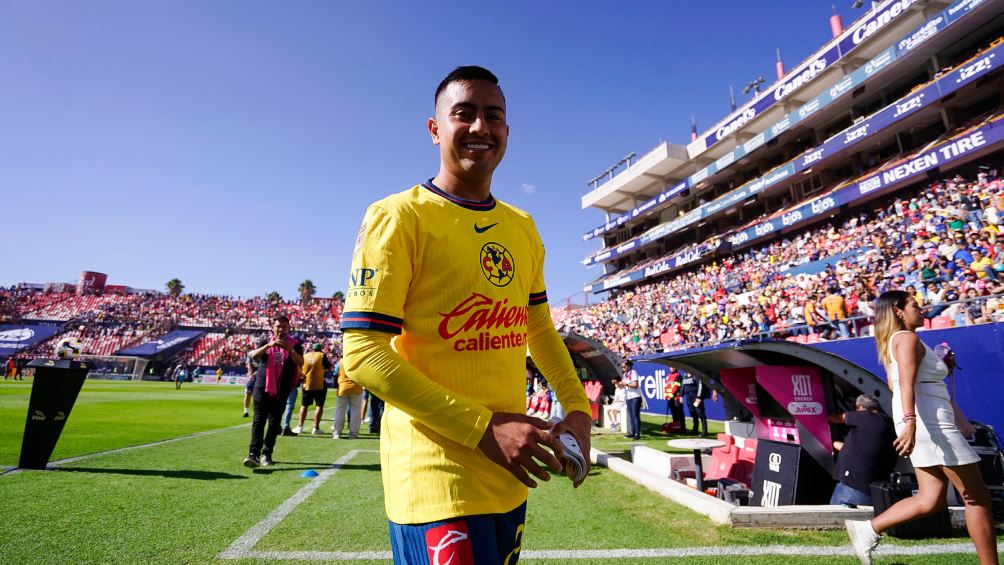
x=593 y=358
x=767 y=379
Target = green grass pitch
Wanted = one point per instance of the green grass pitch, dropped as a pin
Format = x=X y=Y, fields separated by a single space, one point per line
x=188 y=501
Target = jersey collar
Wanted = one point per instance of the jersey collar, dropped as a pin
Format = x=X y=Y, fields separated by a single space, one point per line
x=476 y=205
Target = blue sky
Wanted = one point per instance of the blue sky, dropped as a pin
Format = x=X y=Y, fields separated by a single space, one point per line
x=236 y=144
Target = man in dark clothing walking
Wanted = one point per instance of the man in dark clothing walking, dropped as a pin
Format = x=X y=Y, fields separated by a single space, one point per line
x=867 y=454
x=277 y=375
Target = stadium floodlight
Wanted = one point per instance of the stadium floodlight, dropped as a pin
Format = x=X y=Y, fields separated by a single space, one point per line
x=754 y=86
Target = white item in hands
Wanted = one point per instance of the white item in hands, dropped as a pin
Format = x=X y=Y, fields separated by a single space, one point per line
x=574 y=461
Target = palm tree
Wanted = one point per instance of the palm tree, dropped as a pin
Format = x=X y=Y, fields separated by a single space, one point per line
x=307 y=290
x=273 y=297
x=174 y=287
x=338 y=296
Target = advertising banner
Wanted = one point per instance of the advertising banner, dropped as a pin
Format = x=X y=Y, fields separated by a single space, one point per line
x=15 y=337
x=172 y=340
x=741 y=383
x=873 y=23
x=799 y=389
x=54 y=391
x=91 y=282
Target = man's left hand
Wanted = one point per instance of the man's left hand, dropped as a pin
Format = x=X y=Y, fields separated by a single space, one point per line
x=580 y=425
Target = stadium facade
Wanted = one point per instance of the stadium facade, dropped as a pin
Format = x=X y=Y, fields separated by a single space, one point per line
x=908 y=92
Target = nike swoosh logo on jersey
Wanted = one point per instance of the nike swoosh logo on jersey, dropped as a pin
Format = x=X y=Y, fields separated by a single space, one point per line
x=484 y=229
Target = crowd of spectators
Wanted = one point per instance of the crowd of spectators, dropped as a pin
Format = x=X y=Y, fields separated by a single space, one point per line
x=105 y=323
x=161 y=312
x=942 y=242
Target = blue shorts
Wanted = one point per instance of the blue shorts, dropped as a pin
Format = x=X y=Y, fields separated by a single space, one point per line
x=465 y=540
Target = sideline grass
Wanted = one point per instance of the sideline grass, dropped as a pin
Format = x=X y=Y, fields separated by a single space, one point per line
x=112 y=414
x=185 y=502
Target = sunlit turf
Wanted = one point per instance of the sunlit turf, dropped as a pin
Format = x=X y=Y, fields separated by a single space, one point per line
x=187 y=501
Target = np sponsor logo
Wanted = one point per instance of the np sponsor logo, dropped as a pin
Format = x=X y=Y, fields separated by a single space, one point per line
x=449 y=544
x=362 y=277
x=764 y=228
x=497 y=264
x=740 y=237
x=362 y=282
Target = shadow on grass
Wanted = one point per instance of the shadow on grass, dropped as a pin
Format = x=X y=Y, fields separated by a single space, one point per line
x=182 y=474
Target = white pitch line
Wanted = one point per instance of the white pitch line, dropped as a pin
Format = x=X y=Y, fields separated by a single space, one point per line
x=703 y=551
x=59 y=462
x=241 y=547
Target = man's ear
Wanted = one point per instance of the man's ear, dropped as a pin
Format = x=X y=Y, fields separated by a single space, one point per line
x=434 y=130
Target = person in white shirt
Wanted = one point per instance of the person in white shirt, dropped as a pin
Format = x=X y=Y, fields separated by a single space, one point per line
x=632 y=396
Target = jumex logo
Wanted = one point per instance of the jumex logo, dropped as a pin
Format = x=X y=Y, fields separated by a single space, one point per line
x=497 y=264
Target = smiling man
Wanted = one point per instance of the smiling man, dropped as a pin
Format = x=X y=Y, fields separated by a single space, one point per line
x=445 y=296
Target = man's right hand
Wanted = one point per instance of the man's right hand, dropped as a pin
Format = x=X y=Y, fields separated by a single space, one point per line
x=514 y=441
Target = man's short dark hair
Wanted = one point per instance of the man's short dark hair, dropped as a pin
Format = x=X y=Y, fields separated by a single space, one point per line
x=465 y=74
x=281 y=318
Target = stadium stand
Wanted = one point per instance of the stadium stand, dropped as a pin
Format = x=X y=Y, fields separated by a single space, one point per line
x=910 y=239
x=107 y=323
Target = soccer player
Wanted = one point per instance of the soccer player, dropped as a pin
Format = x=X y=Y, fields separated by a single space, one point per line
x=314 y=389
x=445 y=295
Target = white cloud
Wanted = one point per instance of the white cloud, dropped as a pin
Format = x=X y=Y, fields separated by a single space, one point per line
x=529 y=188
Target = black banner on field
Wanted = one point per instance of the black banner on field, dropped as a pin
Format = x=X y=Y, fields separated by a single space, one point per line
x=785 y=474
x=54 y=390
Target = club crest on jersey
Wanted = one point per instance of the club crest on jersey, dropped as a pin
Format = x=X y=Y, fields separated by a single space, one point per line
x=497 y=264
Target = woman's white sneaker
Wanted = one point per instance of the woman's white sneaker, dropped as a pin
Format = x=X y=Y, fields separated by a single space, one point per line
x=863 y=538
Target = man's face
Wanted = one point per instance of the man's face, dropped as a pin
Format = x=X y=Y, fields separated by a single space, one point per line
x=470 y=129
x=280 y=329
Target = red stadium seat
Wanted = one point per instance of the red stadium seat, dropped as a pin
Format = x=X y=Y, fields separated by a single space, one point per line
x=941 y=322
x=747 y=459
x=723 y=462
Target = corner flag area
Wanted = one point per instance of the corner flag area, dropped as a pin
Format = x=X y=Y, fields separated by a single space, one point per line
x=145 y=473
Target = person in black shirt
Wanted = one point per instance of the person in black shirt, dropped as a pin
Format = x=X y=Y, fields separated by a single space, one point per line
x=867 y=454
x=277 y=375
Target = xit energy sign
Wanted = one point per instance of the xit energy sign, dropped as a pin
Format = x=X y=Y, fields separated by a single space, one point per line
x=800 y=391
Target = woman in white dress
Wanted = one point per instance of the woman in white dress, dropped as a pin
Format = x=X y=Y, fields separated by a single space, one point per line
x=927 y=433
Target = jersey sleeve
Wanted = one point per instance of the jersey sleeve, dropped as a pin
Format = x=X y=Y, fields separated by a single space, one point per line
x=380 y=275
x=538 y=290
